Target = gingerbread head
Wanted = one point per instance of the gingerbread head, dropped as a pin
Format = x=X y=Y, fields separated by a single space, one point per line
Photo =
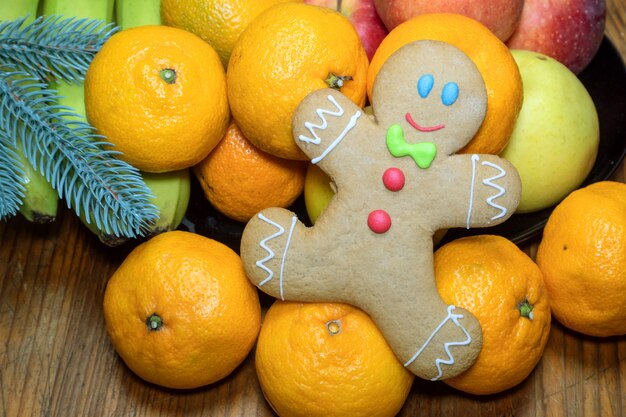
x=398 y=180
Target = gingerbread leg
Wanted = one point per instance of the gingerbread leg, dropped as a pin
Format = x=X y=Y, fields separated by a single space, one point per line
x=433 y=340
x=453 y=353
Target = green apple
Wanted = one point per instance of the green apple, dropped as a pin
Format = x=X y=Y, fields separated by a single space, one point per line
x=555 y=140
x=318 y=191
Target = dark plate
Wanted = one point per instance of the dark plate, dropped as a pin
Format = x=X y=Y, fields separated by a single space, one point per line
x=604 y=78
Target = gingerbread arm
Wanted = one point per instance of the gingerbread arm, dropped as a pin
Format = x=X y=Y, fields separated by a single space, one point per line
x=327 y=124
x=487 y=190
x=495 y=191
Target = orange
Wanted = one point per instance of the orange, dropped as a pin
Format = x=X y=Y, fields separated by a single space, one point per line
x=240 y=180
x=218 y=22
x=288 y=51
x=490 y=55
x=583 y=257
x=180 y=311
x=328 y=359
x=159 y=95
x=502 y=286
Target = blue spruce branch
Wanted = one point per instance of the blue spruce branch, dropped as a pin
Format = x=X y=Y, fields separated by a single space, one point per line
x=53 y=48
x=77 y=162
x=11 y=179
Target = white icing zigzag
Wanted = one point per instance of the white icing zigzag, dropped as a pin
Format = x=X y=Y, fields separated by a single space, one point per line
x=321 y=113
x=316 y=140
x=490 y=183
x=450 y=359
x=261 y=263
x=271 y=254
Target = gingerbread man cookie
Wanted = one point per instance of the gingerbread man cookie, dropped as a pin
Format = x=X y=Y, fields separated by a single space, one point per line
x=398 y=180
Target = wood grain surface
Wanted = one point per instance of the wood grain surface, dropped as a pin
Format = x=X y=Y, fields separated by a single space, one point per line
x=56 y=359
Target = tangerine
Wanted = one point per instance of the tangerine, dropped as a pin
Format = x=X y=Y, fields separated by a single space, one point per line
x=240 y=180
x=158 y=94
x=502 y=286
x=180 y=310
x=288 y=51
x=328 y=359
x=582 y=254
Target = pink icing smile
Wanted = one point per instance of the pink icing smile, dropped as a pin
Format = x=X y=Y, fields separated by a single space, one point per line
x=422 y=128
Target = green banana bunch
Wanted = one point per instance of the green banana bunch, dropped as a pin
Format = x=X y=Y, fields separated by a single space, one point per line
x=40 y=202
x=171 y=192
x=131 y=13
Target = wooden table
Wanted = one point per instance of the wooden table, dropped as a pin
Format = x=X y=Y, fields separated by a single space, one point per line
x=56 y=359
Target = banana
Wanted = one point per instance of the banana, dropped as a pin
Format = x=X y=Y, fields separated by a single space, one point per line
x=10 y=10
x=131 y=13
x=73 y=95
x=40 y=202
x=91 y=9
x=171 y=191
x=107 y=239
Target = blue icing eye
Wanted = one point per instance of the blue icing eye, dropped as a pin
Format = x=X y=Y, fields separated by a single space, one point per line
x=425 y=84
x=450 y=93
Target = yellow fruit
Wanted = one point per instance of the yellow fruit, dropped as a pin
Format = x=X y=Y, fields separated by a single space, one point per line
x=583 y=257
x=318 y=191
x=490 y=55
x=180 y=311
x=502 y=286
x=240 y=180
x=217 y=22
x=556 y=138
x=288 y=51
x=327 y=359
x=159 y=95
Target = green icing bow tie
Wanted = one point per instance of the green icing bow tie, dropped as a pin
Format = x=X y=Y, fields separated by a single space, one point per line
x=422 y=153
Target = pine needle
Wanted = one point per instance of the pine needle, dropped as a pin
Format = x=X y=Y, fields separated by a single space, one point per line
x=52 y=48
x=11 y=179
x=78 y=163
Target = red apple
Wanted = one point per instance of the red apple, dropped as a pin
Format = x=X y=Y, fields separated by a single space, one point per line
x=364 y=18
x=500 y=16
x=569 y=31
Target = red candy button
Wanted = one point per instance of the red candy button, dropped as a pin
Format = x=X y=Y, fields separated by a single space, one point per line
x=379 y=221
x=393 y=178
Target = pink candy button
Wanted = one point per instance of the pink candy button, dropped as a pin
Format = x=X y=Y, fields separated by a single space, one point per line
x=393 y=179
x=379 y=221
